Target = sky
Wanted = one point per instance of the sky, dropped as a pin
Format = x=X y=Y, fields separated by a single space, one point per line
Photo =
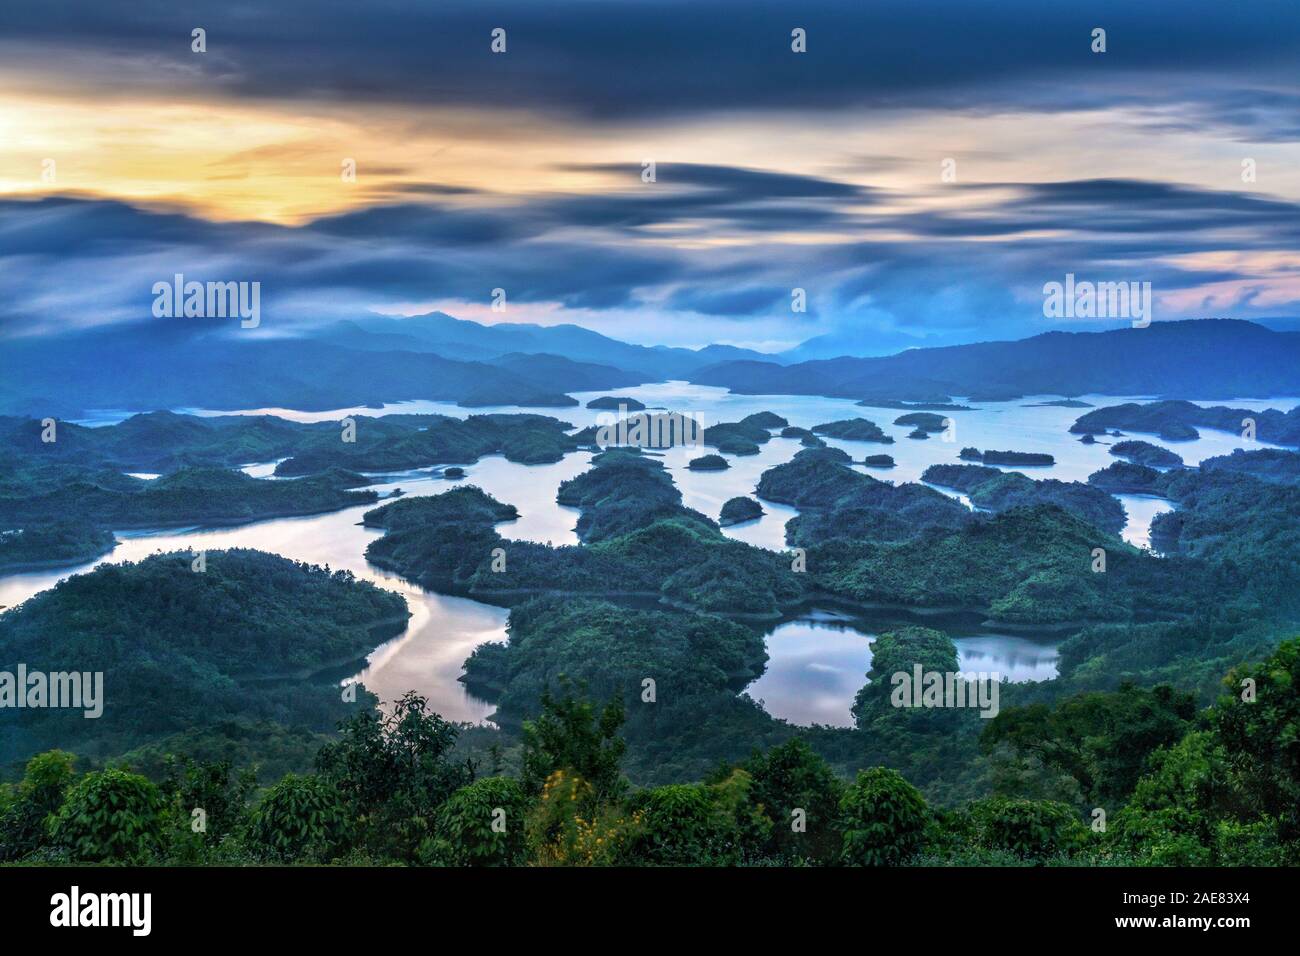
x=920 y=170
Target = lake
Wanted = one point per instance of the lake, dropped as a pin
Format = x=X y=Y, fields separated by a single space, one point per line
x=817 y=661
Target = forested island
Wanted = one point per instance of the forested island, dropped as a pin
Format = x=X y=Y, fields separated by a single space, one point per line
x=53 y=545
x=854 y=429
x=655 y=590
x=212 y=496
x=79 y=479
x=924 y=421
x=1178 y=421
x=708 y=463
x=1145 y=453
x=736 y=510
x=165 y=441
x=992 y=489
x=1014 y=458
x=187 y=642
x=617 y=403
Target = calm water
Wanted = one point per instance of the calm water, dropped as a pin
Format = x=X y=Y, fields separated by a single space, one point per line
x=816 y=663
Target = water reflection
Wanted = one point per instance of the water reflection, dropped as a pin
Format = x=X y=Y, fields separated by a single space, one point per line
x=817 y=664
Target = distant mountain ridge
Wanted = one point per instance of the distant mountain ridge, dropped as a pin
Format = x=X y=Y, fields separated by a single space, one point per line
x=1203 y=358
x=465 y=340
x=144 y=367
x=148 y=366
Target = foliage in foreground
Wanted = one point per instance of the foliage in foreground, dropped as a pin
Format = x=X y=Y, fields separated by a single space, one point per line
x=1221 y=787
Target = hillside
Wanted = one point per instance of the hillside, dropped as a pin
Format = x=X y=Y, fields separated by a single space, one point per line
x=1207 y=359
x=145 y=367
x=464 y=340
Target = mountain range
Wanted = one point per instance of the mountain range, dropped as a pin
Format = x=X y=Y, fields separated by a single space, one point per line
x=471 y=341
x=1205 y=359
x=372 y=361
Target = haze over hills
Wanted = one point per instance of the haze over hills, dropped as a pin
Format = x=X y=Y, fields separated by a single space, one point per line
x=465 y=340
x=1206 y=358
x=145 y=367
x=148 y=366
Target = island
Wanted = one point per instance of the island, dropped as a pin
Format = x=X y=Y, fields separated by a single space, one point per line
x=1179 y=420
x=617 y=403
x=184 y=648
x=708 y=463
x=924 y=421
x=1128 y=478
x=1006 y=457
x=1267 y=464
x=854 y=429
x=991 y=489
x=1145 y=453
x=736 y=510
x=210 y=496
x=743 y=437
x=57 y=544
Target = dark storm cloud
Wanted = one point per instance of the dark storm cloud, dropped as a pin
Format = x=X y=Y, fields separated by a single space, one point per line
x=614 y=60
x=745 y=301
x=732 y=183
x=1126 y=209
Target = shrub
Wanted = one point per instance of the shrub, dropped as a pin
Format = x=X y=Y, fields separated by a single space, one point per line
x=110 y=816
x=24 y=820
x=682 y=825
x=569 y=827
x=1033 y=829
x=300 y=818
x=483 y=824
x=793 y=776
x=883 y=817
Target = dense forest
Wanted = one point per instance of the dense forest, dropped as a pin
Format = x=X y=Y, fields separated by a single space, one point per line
x=226 y=639
x=54 y=544
x=66 y=486
x=624 y=675
x=1135 y=776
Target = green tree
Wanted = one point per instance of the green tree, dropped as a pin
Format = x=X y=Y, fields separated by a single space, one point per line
x=1260 y=732
x=793 y=777
x=301 y=818
x=24 y=822
x=1032 y=829
x=482 y=824
x=208 y=801
x=569 y=735
x=1102 y=740
x=883 y=818
x=110 y=816
x=394 y=772
x=682 y=824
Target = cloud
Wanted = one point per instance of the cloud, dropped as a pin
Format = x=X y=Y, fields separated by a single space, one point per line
x=967 y=271
x=609 y=62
